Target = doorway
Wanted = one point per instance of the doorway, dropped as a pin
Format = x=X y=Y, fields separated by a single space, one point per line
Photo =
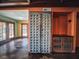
x=24 y=30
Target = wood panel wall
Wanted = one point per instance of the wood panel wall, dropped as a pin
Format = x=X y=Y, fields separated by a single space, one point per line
x=60 y=24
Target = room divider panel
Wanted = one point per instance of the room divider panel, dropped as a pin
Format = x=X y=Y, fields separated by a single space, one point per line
x=40 y=32
x=35 y=19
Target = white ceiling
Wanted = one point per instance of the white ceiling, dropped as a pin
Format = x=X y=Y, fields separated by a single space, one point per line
x=15 y=14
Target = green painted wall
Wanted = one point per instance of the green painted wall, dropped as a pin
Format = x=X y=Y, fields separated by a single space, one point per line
x=7 y=19
x=16 y=29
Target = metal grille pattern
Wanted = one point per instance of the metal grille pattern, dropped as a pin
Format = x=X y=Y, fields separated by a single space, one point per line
x=46 y=32
x=35 y=32
x=40 y=32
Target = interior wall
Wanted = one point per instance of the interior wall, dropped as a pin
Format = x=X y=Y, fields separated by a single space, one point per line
x=6 y=19
x=16 y=29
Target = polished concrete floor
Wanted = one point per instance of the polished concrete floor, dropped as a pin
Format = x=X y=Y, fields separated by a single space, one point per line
x=18 y=50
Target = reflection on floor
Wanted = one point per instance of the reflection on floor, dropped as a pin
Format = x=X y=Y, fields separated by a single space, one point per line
x=18 y=50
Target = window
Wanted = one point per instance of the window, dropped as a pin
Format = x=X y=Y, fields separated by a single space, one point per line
x=24 y=30
x=2 y=31
x=11 y=30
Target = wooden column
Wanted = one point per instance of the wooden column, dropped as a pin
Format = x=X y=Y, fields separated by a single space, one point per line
x=73 y=26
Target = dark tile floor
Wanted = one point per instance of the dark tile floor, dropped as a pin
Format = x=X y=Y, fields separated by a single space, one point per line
x=14 y=51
